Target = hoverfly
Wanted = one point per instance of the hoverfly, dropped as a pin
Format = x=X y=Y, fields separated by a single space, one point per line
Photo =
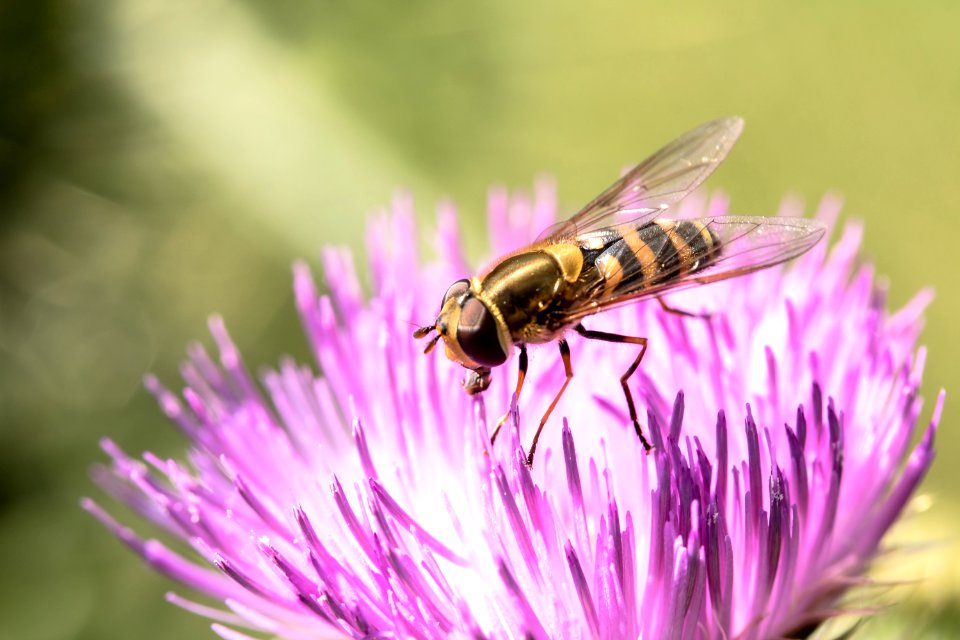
x=619 y=248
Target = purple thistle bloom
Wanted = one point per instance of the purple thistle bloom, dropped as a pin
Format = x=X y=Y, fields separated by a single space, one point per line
x=367 y=501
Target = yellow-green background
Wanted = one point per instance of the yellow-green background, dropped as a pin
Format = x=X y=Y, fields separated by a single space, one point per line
x=161 y=160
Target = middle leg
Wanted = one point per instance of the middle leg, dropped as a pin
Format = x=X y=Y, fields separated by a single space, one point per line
x=568 y=369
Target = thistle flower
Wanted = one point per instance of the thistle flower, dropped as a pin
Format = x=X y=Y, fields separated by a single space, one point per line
x=366 y=500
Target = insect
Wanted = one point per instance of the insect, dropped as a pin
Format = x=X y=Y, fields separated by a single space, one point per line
x=619 y=248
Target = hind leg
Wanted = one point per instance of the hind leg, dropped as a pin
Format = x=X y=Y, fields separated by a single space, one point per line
x=624 y=379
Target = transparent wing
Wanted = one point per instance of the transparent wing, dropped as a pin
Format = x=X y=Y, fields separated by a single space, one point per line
x=658 y=182
x=744 y=244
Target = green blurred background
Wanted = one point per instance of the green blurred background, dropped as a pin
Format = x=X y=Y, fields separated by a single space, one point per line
x=163 y=160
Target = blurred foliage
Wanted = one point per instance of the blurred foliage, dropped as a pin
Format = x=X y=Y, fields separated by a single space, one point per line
x=163 y=160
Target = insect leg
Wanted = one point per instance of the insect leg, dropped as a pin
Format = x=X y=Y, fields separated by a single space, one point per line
x=681 y=312
x=568 y=369
x=521 y=375
x=615 y=337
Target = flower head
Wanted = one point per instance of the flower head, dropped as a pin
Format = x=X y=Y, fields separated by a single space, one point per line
x=366 y=500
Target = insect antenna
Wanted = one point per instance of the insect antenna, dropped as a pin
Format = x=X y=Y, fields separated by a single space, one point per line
x=431 y=344
x=423 y=331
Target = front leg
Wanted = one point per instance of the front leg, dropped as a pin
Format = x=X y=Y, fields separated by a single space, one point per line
x=521 y=375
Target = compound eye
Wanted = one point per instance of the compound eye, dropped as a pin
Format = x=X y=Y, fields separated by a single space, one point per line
x=456 y=290
x=477 y=334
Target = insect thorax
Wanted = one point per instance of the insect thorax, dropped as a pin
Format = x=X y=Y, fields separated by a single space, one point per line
x=525 y=288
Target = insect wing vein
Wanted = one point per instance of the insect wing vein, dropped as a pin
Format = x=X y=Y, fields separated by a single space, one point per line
x=657 y=183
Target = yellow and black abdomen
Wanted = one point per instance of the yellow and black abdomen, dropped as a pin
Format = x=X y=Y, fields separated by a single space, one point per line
x=633 y=258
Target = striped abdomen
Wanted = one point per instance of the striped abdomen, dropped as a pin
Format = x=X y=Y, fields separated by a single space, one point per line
x=635 y=258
